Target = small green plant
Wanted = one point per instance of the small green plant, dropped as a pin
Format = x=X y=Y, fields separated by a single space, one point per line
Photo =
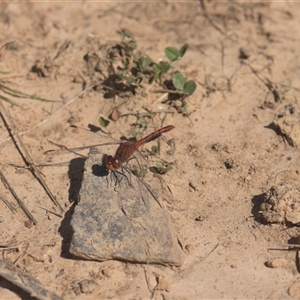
x=141 y=124
x=142 y=172
x=103 y=122
x=137 y=69
x=163 y=168
x=180 y=83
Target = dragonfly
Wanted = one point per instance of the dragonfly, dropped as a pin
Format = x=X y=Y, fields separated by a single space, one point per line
x=128 y=151
x=128 y=162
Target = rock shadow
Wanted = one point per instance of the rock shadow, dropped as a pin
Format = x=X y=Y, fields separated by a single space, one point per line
x=257 y=201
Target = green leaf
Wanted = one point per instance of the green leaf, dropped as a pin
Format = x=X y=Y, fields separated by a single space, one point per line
x=144 y=62
x=156 y=68
x=154 y=150
x=163 y=168
x=121 y=73
x=142 y=172
x=164 y=66
x=178 y=81
x=139 y=79
x=126 y=64
x=103 y=122
x=172 y=53
x=184 y=107
x=134 y=133
x=161 y=67
x=125 y=34
x=157 y=71
x=190 y=87
x=122 y=34
x=132 y=45
x=183 y=49
x=130 y=79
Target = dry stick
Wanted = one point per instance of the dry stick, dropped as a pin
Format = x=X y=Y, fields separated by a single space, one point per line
x=59 y=164
x=209 y=19
x=269 y=84
x=6 y=45
x=4 y=248
x=24 y=153
x=25 y=253
x=22 y=205
x=12 y=209
x=72 y=150
x=57 y=111
x=49 y=211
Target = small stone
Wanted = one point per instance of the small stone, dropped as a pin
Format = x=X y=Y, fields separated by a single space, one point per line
x=115 y=115
x=294 y=290
x=178 y=103
x=281 y=204
x=87 y=286
x=189 y=248
x=107 y=272
x=276 y=263
x=163 y=285
x=245 y=52
x=288 y=127
x=28 y=224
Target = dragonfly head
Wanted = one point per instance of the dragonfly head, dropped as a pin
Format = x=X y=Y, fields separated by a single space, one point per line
x=113 y=163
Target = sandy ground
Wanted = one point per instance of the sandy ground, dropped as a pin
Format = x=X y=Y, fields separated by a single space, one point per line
x=237 y=140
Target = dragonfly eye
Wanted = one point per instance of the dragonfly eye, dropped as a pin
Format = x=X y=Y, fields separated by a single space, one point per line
x=116 y=163
x=110 y=163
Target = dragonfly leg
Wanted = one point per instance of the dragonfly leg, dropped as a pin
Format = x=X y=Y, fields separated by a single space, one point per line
x=118 y=177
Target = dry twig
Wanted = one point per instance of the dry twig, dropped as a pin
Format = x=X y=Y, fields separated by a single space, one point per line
x=209 y=19
x=11 y=127
x=52 y=115
x=7 y=203
x=21 y=203
x=25 y=281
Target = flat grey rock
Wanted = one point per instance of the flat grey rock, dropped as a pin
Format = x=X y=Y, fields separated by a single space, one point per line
x=119 y=218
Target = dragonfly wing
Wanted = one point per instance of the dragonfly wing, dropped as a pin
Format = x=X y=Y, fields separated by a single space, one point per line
x=88 y=140
x=149 y=177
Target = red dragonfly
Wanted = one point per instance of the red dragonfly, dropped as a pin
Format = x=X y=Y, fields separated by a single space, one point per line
x=127 y=149
x=129 y=163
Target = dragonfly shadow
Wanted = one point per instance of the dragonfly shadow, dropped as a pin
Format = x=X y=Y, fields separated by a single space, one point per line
x=75 y=173
x=100 y=170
